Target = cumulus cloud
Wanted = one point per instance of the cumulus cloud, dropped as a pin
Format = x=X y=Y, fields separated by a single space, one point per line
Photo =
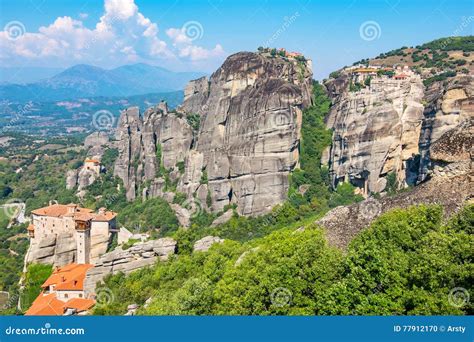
x=183 y=38
x=123 y=34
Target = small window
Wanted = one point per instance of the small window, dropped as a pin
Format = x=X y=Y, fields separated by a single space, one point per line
x=80 y=295
x=66 y=295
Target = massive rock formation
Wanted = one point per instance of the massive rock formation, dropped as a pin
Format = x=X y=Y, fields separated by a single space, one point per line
x=96 y=144
x=376 y=131
x=451 y=185
x=96 y=139
x=60 y=249
x=452 y=154
x=158 y=139
x=343 y=223
x=250 y=114
x=138 y=256
x=449 y=104
x=81 y=178
x=390 y=126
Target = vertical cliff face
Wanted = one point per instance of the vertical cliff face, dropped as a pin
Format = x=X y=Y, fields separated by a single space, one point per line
x=376 y=131
x=390 y=125
x=247 y=142
x=251 y=111
x=145 y=143
x=449 y=105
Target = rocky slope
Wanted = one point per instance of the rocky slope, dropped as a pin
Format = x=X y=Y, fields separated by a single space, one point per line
x=376 y=131
x=138 y=256
x=451 y=186
x=389 y=125
x=246 y=145
x=60 y=249
x=449 y=105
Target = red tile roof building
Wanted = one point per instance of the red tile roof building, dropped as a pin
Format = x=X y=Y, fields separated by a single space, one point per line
x=63 y=292
x=71 y=219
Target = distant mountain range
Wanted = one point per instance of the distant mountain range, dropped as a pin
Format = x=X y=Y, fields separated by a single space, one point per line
x=24 y=75
x=89 y=81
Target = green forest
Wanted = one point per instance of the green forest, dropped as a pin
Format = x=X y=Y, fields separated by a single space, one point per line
x=405 y=263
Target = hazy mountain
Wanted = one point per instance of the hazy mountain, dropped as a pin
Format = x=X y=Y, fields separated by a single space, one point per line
x=89 y=81
x=23 y=75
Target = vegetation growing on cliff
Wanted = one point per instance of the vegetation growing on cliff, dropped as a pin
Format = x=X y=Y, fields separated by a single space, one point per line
x=36 y=275
x=13 y=245
x=446 y=54
x=465 y=43
x=152 y=214
x=312 y=179
x=407 y=262
x=309 y=196
x=37 y=181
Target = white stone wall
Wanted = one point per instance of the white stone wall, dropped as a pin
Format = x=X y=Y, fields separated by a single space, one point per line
x=48 y=225
x=99 y=228
x=83 y=239
x=66 y=295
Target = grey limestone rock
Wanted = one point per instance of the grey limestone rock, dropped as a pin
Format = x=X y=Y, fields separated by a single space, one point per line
x=140 y=255
x=205 y=243
x=247 y=142
x=223 y=218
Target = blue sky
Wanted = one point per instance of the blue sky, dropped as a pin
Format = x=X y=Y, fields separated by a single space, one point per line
x=198 y=35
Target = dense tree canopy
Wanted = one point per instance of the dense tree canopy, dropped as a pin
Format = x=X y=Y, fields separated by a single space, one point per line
x=407 y=262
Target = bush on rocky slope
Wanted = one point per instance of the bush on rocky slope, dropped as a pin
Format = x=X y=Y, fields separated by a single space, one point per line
x=407 y=262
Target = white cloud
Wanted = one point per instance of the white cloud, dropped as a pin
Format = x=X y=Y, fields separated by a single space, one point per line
x=122 y=35
x=196 y=53
x=183 y=38
x=121 y=9
x=178 y=36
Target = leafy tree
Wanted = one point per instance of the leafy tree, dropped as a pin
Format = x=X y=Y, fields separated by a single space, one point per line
x=284 y=276
x=406 y=263
x=194 y=120
x=36 y=275
x=154 y=213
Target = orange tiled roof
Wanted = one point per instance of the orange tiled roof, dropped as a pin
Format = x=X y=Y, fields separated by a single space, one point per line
x=83 y=214
x=46 y=305
x=80 y=304
x=80 y=216
x=106 y=216
x=95 y=161
x=31 y=227
x=50 y=305
x=51 y=210
x=69 y=277
x=402 y=76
